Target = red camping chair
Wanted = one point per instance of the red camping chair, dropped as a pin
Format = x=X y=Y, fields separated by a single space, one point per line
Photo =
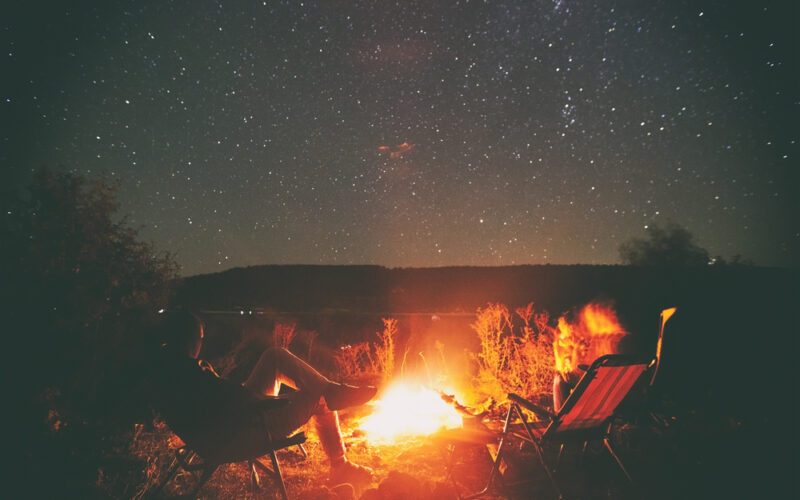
x=585 y=416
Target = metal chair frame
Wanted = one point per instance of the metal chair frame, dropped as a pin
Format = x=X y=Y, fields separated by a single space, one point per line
x=185 y=459
x=597 y=409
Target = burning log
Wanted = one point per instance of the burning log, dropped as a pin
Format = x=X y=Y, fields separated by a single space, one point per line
x=466 y=410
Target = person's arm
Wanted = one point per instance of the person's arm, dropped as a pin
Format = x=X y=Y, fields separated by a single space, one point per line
x=206 y=367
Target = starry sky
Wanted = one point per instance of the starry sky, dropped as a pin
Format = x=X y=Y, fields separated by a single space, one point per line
x=415 y=133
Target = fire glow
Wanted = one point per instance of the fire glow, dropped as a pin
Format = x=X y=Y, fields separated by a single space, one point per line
x=407 y=410
x=596 y=331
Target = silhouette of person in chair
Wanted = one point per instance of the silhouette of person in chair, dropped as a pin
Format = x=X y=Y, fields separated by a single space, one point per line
x=231 y=419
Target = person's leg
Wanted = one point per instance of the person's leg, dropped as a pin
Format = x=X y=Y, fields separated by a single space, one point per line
x=279 y=366
x=562 y=388
x=342 y=470
x=315 y=396
x=326 y=423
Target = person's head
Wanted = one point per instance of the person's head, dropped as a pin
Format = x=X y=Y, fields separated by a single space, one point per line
x=181 y=333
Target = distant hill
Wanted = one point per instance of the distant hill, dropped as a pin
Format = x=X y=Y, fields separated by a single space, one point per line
x=463 y=289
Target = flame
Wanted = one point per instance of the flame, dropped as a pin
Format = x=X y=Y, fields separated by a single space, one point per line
x=407 y=410
x=596 y=332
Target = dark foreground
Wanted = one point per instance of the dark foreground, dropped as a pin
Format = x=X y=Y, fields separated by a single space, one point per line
x=696 y=455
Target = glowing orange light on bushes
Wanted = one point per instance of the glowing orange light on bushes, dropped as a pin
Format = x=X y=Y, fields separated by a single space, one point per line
x=594 y=333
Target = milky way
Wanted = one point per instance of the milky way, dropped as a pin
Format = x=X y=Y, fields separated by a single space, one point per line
x=415 y=133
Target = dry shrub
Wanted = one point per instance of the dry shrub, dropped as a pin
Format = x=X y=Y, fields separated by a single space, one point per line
x=373 y=361
x=516 y=352
x=384 y=348
x=255 y=339
x=354 y=361
x=282 y=335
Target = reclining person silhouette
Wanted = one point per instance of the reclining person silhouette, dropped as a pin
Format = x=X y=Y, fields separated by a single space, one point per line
x=231 y=418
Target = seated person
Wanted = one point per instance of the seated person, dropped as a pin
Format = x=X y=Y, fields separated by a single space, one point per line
x=226 y=420
x=563 y=384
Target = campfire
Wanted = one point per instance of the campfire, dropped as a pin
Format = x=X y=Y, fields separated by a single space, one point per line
x=408 y=409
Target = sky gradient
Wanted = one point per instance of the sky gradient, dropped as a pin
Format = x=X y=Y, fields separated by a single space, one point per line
x=415 y=133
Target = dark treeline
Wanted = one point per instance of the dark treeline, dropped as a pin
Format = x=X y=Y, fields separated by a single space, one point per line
x=639 y=293
x=462 y=289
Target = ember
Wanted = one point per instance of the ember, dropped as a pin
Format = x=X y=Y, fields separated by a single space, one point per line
x=408 y=409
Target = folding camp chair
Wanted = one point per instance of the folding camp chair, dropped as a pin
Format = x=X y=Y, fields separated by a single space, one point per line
x=190 y=461
x=206 y=447
x=585 y=416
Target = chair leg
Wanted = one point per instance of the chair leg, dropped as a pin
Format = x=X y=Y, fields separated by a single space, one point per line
x=540 y=453
x=173 y=469
x=558 y=457
x=494 y=475
x=495 y=472
x=206 y=475
x=279 y=476
x=619 y=462
x=582 y=456
x=254 y=477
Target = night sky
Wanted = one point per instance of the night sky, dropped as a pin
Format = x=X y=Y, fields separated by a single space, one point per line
x=415 y=133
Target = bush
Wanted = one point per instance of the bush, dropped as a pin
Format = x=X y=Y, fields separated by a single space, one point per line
x=78 y=285
x=369 y=361
x=672 y=245
x=516 y=352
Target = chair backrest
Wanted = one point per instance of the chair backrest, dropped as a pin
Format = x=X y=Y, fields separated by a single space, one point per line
x=666 y=314
x=599 y=392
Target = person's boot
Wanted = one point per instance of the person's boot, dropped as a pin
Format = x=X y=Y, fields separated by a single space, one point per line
x=340 y=396
x=342 y=470
x=359 y=476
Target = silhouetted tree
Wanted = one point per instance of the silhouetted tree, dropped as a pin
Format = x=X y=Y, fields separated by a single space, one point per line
x=76 y=285
x=671 y=245
x=74 y=271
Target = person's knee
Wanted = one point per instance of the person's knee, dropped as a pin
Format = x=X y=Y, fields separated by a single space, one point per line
x=273 y=352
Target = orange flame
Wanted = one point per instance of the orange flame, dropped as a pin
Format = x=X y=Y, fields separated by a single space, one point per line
x=407 y=410
x=594 y=333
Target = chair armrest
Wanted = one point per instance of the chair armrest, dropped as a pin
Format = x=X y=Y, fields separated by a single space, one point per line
x=270 y=403
x=533 y=408
x=298 y=438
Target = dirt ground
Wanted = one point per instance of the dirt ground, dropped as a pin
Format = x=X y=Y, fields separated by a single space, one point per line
x=690 y=455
